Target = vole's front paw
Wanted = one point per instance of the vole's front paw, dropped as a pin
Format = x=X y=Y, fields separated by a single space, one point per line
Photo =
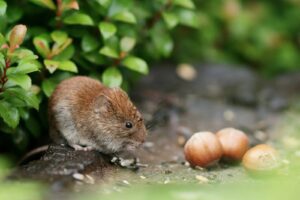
x=78 y=147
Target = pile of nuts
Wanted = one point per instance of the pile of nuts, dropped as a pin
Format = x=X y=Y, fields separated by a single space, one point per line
x=206 y=148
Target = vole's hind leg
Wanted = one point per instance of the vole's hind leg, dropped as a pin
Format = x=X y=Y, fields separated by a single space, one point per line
x=78 y=147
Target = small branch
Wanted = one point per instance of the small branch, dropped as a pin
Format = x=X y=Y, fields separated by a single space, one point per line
x=157 y=16
x=59 y=11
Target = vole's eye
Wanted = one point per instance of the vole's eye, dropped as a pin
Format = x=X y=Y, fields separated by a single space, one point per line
x=128 y=125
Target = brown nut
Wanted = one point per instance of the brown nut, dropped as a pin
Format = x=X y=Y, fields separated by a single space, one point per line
x=203 y=149
x=234 y=142
x=261 y=158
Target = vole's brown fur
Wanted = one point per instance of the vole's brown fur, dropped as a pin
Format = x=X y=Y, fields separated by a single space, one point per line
x=87 y=115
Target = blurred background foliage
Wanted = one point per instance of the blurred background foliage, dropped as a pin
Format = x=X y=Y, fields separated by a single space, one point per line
x=260 y=34
x=116 y=41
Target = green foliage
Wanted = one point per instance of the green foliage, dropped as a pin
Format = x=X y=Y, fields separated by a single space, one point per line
x=104 y=39
x=261 y=34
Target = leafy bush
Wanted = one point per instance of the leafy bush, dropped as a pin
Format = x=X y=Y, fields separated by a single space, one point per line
x=110 y=40
x=261 y=34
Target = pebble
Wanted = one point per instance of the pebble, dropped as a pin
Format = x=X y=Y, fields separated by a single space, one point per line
x=229 y=115
x=78 y=176
x=202 y=179
x=126 y=182
x=186 y=71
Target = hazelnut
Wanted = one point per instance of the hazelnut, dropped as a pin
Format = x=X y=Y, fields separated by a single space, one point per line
x=234 y=142
x=261 y=158
x=203 y=149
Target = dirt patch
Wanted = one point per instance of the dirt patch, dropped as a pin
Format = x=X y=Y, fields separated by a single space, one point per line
x=220 y=96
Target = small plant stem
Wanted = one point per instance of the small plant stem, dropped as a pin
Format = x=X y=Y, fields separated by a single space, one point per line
x=59 y=11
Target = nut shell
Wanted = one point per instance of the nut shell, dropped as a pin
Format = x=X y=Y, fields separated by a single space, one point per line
x=234 y=142
x=261 y=158
x=203 y=149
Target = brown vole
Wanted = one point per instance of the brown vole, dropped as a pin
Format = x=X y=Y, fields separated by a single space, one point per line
x=87 y=115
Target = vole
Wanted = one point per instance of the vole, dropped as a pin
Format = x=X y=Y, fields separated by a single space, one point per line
x=87 y=115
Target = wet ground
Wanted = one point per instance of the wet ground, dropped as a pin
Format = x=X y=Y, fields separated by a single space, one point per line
x=219 y=97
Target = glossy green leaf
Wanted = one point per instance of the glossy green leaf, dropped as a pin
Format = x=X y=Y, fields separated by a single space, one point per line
x=51 y=65
x=170 y=19
x=188 y=18
x=33 y=125
x=66 y=54
x=127 y=44
x=24 y=55
x=89 y=43
x=23 y=68
x=163 y=44
x=104 y=3
x=2 y=40
x=125 y=16
x=41 y=44
x=79 y=18
x=107 y=29
x=136 y=64
x=2 y=61
x=9 y=114
x=59 y=37
x=95 y=58
x=45 y=3
x=112 y=77
x=22 y=80
x=184 y=3
x=3 y=7
x=48 y=86
x=68 y=66
x=109 y=52
x=28 y=97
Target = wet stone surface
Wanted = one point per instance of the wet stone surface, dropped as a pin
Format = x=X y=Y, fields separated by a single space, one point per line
x=219 y=97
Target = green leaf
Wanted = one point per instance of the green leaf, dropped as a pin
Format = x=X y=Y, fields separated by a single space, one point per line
x=2 y=61
x=112 y=77
x=3 y=7
x=22 y=80
x=59 y=37
x=184 y=3
x=163 y=44
x=45 y=3
x=127 y=44
x=68 y=66
x=125 y=16
x=66 y=54
x=48 y=86
x=41 y=44
x=24 y=55
x=107 y=29
x=109 y=52
x=170 y=19
x=95 y=58
x=2 y=40
x=14 y=13
x=89 y=43
x=33 y=125
x=104 y=3
x=51 y=65
x=9 y=114
x=136 y=64
x=28 y=97
x=23 y=68
x=79 y=18
x=188 y=18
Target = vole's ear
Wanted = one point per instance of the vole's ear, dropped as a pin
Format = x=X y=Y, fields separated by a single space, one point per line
x=102 y=104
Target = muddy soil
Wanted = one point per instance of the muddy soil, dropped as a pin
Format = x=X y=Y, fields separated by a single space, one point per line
x=220 y=96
